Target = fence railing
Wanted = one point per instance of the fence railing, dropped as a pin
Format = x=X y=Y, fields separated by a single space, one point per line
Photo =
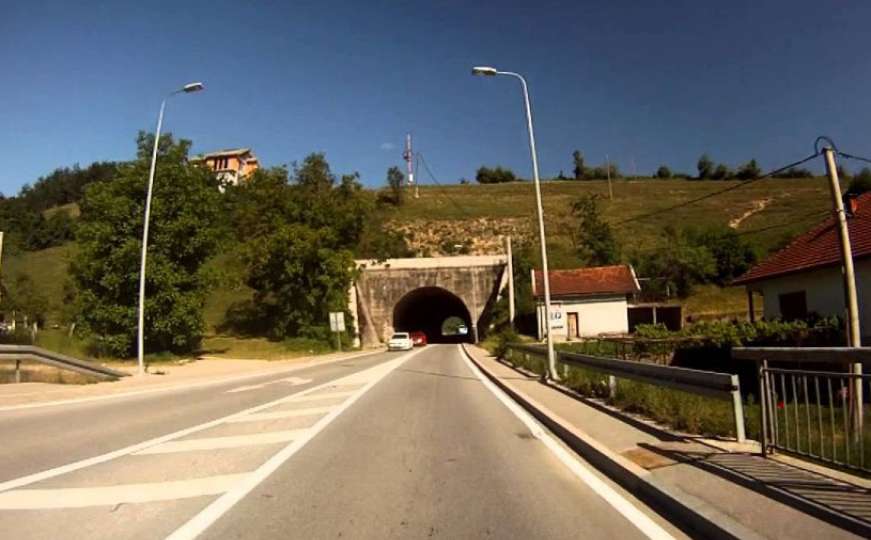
x=816 y=412
x=19 y=353
x=706 y=383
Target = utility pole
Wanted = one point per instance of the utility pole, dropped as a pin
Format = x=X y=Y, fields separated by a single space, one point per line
x=408 y=155
x=510 y=270
x=854 y=336
x=608 y=172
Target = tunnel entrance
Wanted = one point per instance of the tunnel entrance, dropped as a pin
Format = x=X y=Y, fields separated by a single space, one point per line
x=427 y=309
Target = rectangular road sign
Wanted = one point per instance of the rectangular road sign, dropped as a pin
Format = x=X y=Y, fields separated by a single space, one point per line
x=337 y=321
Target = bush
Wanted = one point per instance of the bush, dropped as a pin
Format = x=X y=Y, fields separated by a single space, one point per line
x=497 y=175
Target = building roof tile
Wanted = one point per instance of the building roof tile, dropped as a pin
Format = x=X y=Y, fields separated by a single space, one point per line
x=617 y=279
x=817 y=248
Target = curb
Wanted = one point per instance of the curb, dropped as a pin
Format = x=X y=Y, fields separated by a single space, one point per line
x=695 y=517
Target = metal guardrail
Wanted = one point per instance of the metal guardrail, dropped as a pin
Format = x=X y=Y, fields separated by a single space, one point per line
x=20 y=353
x=811 y=412
x=706 y=383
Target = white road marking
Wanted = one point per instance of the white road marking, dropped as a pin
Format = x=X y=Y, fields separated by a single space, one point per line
x=32 y=499
x=276 y=415
x=216 y=443
x=635 y=516
x=63 y=469
x=294 y=381
x=185 y=386
x=316 y=397
x=219 y=507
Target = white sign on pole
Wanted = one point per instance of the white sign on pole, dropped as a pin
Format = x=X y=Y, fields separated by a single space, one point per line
x=337 y=321
x=557 y=322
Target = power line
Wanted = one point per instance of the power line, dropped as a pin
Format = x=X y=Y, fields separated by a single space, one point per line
x=800 y=219
x=716 y=193
x=851 y=156
x=442 y=191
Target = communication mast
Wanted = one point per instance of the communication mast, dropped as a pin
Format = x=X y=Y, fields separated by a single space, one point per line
x=408 y=155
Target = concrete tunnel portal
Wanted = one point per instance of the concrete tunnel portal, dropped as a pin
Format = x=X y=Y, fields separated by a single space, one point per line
x=427 y=309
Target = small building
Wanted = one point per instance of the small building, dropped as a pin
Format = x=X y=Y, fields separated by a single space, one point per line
x=231 y=166
x=805 y=277
x=586 y=302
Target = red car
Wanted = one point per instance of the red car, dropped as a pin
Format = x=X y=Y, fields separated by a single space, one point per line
x=418 y=338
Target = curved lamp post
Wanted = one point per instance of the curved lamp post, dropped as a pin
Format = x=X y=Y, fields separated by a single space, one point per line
x=140 y=350
x=488 y=71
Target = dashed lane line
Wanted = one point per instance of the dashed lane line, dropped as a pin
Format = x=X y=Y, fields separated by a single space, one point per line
x=216 y=443
x=278 y=415
x=41 y=499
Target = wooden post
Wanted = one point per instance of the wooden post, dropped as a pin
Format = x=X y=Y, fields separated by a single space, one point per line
x=750 y=307
x=854 y=335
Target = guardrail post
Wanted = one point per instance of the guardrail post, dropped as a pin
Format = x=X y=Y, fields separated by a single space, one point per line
x=17 y=371
x=763 y=405
x=738 y=409
x=612 y=386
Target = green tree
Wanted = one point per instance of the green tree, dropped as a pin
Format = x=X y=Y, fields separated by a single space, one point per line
x=722 y=172
x=663 y=172
x=496 y=175
x=25 y=298
x=395 y=180
x=183 y=235
x=595 y=242
x=732 y=253
x=677 y=266
x=749 y=171
x=860 y=183
x=705 y=167
x=301 y=261
x=580 y=170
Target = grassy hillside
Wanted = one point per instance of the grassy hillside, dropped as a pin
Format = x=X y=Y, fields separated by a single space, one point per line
x=772 y=211
x=782 y=207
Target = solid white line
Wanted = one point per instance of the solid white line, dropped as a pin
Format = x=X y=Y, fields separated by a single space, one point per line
x=63 y=469
x=186 y=386
x=635 y=516
x=277 y=415
x=219 y=507
x=32 y=499
x=294 y=381
x=216 y=443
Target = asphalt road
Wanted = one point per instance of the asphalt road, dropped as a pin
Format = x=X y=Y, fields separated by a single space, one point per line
x=384 y=446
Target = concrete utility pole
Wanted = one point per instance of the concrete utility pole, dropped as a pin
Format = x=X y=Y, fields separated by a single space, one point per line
x=140 y=337
x=854 y=335
x=510 y=270
x=492 y=72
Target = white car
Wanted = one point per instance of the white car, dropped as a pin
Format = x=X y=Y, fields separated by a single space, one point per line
x=400 y=341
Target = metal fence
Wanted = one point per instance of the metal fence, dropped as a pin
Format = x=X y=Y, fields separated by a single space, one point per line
x=706 y=383
x=815 y=413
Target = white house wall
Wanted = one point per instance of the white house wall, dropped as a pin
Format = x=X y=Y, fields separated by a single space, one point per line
x=824 y=290
x=598 y=315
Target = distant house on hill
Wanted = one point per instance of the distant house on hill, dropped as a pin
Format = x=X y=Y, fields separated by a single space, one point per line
x=805 y=277
x=586 y=302
x=232 y=166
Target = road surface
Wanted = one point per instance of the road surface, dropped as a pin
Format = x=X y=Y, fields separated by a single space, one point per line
x=388 y=445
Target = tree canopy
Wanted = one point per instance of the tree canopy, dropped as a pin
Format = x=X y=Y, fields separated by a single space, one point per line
x=183 y=235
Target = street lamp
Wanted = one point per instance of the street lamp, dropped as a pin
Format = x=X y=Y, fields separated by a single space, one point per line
x=488 y=71
x=186 y=89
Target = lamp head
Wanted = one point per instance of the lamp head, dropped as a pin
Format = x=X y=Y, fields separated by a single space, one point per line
x=485 y=71
x=193 y=87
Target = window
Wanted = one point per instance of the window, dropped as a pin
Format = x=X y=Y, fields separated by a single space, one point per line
x=793 y=305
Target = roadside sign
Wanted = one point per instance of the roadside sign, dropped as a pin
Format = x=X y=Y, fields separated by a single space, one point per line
x=337 y=321
x=556 y=320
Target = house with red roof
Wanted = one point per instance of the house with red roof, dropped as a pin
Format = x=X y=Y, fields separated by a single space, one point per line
x=586 y=302
x=805 y=277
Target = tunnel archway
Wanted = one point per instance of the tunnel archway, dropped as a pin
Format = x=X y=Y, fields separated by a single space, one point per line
x=426 y=309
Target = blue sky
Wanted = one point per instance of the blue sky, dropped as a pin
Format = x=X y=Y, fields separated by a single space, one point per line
x=644 y=82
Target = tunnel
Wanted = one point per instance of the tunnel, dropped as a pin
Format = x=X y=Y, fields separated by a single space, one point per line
x=426 y=309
